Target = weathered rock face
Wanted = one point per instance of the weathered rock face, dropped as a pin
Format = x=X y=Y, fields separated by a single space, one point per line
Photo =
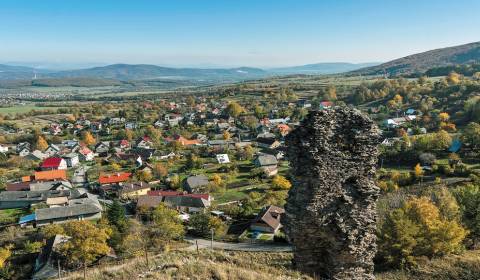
x=331 y=208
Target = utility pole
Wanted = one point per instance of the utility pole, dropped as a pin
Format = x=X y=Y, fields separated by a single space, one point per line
x=211 y=241
x=59 y=271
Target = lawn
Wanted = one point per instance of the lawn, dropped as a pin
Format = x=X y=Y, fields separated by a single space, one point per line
x=24 y=109
x=8 y=216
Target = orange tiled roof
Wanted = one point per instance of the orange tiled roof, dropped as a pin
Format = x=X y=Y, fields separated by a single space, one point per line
x=50 y=175
x=114 y=178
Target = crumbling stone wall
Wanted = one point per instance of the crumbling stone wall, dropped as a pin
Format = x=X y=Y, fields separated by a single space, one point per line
x=331 y=208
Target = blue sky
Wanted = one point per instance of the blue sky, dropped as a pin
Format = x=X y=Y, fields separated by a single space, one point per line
x=230 y=32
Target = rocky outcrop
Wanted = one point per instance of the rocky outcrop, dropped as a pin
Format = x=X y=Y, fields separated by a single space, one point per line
x=331 y=208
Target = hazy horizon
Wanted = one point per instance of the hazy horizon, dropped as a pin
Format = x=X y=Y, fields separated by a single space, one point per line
x=263 y=34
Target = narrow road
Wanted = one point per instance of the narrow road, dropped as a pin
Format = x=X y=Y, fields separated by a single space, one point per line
x=247 y=247
x=80 y=176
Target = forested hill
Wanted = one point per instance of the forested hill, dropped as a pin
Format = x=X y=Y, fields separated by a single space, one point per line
x=421 y=62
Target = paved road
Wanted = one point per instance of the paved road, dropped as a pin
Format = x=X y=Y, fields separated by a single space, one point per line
x=80 y=175
x=248 y=247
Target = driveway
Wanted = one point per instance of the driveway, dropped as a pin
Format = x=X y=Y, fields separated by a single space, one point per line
x=247 y=247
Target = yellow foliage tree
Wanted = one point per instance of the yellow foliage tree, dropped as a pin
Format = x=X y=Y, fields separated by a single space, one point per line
x=444 y=117
x=226 y=135
x=144 y=175
x=453 y=78
x=86 y=243
x=5 y=253
x=418 y=229
x=418 y=171
x=88 y=138
x=217 y=180
x=42 y=144
x=281 y=183
x=160 y=170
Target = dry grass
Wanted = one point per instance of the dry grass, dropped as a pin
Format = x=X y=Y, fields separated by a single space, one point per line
x=206 y=265
x=465 y=267
x=223 y=265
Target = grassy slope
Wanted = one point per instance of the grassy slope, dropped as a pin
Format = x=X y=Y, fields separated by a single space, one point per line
x=258 y=266
x=206 y=265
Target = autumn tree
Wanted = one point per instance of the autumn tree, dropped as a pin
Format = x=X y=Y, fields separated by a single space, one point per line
x=41 y=144
x=88 y=138
x=144 y=175
x=160 y=170
x=234 y=109
x=443 y=117
x=415 y=230
x=471 y=135
x=166 y=224
x=85 y=244
x=202 y=225
x=329 y=93
x=468 y=198
x=442 y=140
x=418 y=171
x=453 y=78
x=226 y=135
x=49 y=231
x=281 y=183
x=5 y=254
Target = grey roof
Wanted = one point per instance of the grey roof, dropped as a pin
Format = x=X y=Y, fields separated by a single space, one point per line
x=31 y=195
x=197 y=181
x=266 y=160
x=186 y=201
x=67 y=211
x=45 y=186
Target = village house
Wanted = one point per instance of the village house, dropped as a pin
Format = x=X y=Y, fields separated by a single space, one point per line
x=85 y=154
x=183 y=203
x=78 y=206
x=114 y=178
x=36 y=155
x=25 y=199
x=102 y=148
x=268 y=163
x=269 y=143
x=195 y=183
x=144 y=142
x=71 y=159
x=268 y=220
x=23 y=149
x=54 y=163
x=52 y=150
x=131 y=125
x=222 y=158
x=173 y=119
x=3 y=148
x=132 y=190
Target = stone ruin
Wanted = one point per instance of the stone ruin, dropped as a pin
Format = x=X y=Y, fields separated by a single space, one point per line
x=331 y=208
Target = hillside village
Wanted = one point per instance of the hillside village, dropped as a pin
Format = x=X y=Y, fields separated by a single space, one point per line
x=239 y=140
x=213 y=166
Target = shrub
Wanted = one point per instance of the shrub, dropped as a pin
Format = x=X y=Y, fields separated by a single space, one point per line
x=417 y=230
x=468 y=198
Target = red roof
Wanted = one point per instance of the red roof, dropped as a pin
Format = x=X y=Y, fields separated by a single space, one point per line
x=124 y=142
x=53 y=162
x=205 y=196
x=114 y=178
